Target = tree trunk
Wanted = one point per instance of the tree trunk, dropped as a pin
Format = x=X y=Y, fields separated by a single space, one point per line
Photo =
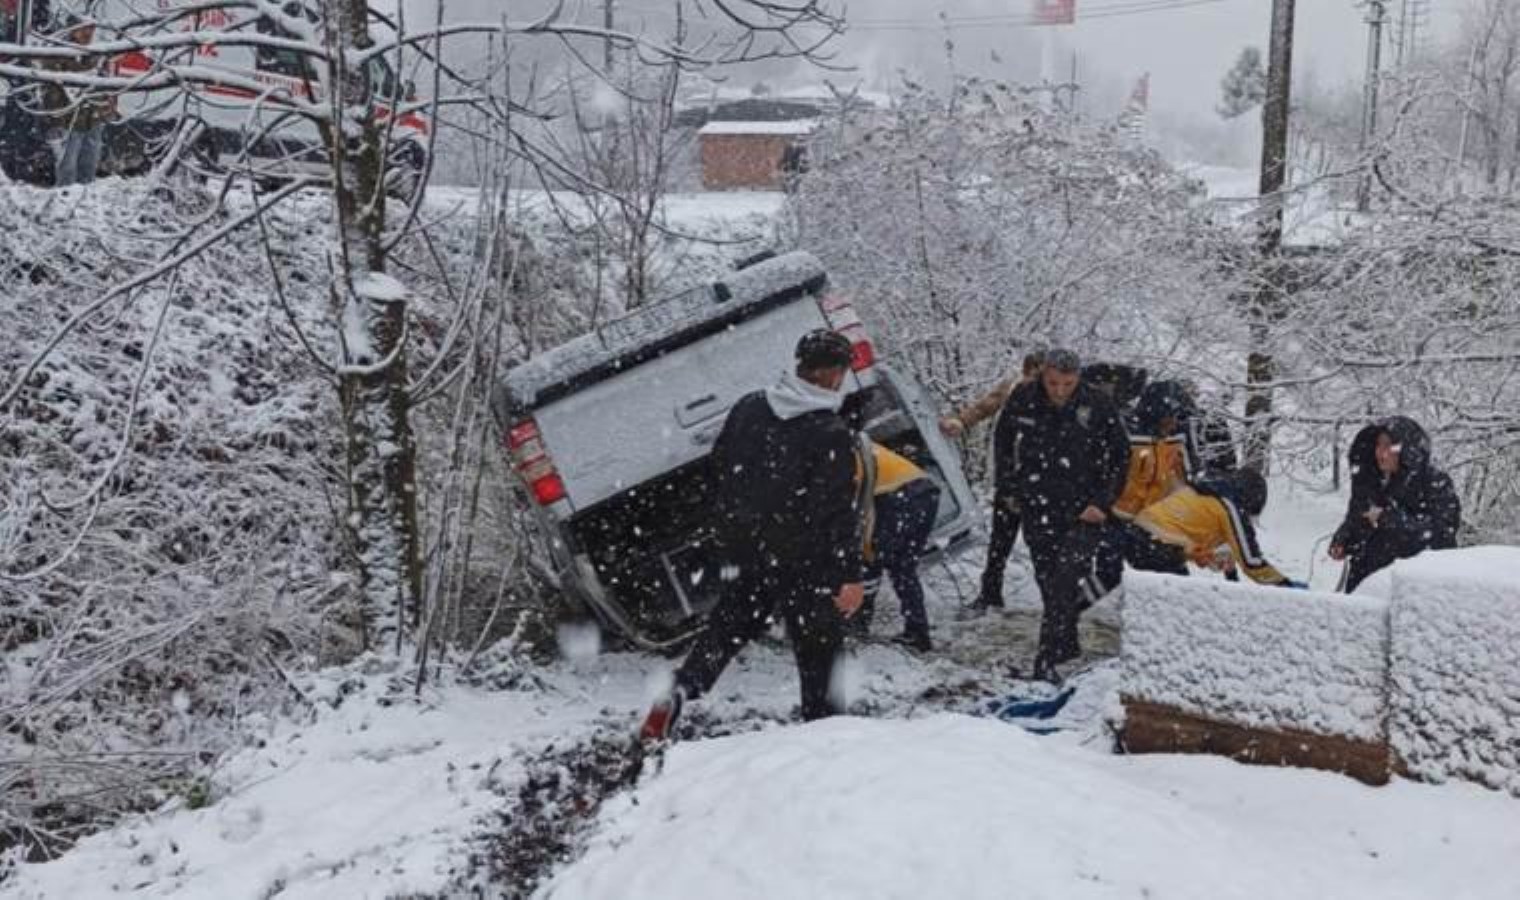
x=1260 y=366
x=381 y=449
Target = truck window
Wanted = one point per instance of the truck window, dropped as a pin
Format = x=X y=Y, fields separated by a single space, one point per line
x=279 y=61
x=382 y=80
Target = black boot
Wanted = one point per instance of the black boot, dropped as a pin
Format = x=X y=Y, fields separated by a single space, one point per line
x=915 y=640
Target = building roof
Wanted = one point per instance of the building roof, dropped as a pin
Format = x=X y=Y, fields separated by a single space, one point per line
x=796 y=127
x=749 y=109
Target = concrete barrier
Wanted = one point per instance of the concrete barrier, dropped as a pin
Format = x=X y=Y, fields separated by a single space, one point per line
x=1424 y=682
x=1454 y=666
x=1263 y=675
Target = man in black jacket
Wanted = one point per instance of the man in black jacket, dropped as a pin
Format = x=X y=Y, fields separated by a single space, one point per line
x=1064 y=449
x=1401 y=504
x=784 y=473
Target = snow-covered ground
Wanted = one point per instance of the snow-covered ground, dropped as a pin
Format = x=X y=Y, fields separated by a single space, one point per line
x=699 y=213
x=385 y=793
x=1311 y=215
x=951 y=806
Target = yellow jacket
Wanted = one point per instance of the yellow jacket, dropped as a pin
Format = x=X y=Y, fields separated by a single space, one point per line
x=1203 y=526
x=892 y=470
x=1157 y=467
x=882 y=474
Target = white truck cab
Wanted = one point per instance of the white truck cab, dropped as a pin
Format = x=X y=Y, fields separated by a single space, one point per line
x=610 y=434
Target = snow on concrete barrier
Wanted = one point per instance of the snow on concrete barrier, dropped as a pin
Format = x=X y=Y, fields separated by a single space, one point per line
x=1455 y=665
x=1261 y=674
x=1259 y=656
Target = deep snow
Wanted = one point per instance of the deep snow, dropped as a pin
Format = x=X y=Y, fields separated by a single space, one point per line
x=950 y=806
x=385 y=794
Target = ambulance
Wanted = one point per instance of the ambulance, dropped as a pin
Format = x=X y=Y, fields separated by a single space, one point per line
x=243 y=126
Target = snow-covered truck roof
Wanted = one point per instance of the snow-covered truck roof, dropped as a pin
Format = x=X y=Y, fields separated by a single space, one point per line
x=655 y=328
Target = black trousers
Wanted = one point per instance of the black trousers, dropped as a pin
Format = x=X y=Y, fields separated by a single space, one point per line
x=1005 y=531
x=1381 y=550
x=1150 y=555
x=1073 y=567
x=904 y=519
x=762 y=588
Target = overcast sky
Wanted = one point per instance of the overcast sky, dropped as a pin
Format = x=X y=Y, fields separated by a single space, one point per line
x=1186 y=49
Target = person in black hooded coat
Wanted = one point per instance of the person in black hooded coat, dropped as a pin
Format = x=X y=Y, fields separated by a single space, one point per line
x=1401 y=504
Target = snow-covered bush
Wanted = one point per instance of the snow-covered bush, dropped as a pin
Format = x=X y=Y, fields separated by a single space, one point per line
x=973 y=227
x=168 y=494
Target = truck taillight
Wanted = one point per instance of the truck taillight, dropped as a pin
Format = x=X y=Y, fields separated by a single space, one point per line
x=842 y=318
x=532 y=462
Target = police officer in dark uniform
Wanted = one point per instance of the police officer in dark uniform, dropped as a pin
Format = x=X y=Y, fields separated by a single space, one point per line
x=1063 y=447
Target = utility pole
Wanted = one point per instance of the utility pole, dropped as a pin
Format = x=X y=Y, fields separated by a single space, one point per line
x=1412 y=16
x=1076 y=90
x=1271 y=280
x=1461 y=166
x=1370 y=100
x=607 y=41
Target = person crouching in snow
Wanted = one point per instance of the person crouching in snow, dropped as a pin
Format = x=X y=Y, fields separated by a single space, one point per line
x=1401 y=504
x=902 y=505
x=789 y=531
x=1159 y=453
x=1208 y=524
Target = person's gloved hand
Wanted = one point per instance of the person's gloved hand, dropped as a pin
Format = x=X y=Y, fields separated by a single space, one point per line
x=1295 y=585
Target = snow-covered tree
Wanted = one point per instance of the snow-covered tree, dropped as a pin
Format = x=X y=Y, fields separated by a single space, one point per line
x=1244 y=86
x=974 y=227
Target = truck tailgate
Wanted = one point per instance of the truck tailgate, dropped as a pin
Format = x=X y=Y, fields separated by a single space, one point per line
x=666 y=412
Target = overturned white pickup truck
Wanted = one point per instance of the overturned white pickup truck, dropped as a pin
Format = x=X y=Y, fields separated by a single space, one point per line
x=610 y=434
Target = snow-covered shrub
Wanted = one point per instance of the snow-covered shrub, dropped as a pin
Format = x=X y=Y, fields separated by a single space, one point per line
x=1412 y=318
x=168 y=495
x=1455 y=665
x=1257 y=656
x=973 y=227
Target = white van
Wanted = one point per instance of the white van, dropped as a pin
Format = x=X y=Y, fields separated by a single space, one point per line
x=279 y=144
x=610 y=435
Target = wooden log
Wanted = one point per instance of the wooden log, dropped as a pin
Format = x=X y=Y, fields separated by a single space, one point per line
x=1157 y=728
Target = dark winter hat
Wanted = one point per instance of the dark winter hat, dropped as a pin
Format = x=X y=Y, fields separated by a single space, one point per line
x=1412 y=441
x=824 y=349
x=1121 y=382
x=1066 y=361
x=1160 y=400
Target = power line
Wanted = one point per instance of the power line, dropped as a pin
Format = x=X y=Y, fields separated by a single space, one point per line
x=1019 y=20
x=1086 y=10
